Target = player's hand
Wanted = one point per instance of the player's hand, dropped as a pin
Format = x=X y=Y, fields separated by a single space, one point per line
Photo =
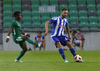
x=39 y=40
x=45 y=33
x=7 y=40
x=28 y=35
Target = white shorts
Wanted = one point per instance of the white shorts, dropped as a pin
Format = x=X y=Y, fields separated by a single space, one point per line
x=77 y=41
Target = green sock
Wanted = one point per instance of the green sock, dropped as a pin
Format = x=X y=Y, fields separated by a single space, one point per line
x=20 y=55
x=32 y=42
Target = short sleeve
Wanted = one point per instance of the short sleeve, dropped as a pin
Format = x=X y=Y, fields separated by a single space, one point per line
x=76 y=35
x=13 y=24
x=53 y=20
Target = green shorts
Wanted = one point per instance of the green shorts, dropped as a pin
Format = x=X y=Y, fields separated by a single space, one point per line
x=20 y=41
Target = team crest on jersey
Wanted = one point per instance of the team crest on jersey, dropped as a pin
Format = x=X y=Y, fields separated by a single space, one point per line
x=60 y=25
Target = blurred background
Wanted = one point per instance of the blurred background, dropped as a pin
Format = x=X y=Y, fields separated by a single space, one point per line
x=83 y=14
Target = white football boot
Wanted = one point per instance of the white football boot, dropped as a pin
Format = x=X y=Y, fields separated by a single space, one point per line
x=18 y=60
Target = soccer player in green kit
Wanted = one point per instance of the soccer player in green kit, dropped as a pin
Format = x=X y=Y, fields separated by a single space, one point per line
x=17 y=33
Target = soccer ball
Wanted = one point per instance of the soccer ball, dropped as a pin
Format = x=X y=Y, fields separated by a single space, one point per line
x=78 y=58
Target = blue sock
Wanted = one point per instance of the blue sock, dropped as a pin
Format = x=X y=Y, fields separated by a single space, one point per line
x=62 y=53
x=73 y=51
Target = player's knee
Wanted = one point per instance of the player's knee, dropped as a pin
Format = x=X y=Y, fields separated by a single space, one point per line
x=69 y=44
x=58 y=45
x=24 y=38
x=25 y=50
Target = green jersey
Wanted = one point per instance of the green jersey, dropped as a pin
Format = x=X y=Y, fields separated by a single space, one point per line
x=16 y=32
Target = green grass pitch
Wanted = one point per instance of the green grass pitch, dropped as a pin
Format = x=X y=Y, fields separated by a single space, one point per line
x=49 y=61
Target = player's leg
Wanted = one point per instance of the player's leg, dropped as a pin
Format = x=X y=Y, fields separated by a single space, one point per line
x=34 y=47
x=58 y=45
x=65 y=41
x=24 y=49
x=71 y=48
x=25 y=38
x=81 y=43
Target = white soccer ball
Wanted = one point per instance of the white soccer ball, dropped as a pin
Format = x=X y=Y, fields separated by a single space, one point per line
x=77 y=58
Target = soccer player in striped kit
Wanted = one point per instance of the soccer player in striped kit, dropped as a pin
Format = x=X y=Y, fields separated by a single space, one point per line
x=58 y=36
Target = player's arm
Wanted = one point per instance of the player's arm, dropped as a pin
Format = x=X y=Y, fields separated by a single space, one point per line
x=8 y=35
x=46 y=27
x=35 y=39
x=80 y=37
x=68 y=31
x=53 y=20
x=26 y=34
x=43 y=39
x=22 y=32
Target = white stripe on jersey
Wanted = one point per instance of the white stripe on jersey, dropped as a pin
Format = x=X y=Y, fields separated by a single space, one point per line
x=63 y=32
x=65 y=22
x=56 y=27
x=61 y=28
x=64 y=25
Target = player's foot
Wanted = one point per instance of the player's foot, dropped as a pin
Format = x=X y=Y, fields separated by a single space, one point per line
x=40 y=44
x=18 y=60
x=65 y=60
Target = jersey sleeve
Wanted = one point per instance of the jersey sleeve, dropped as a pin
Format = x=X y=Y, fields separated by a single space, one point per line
x=53 y=20
x=13 y=24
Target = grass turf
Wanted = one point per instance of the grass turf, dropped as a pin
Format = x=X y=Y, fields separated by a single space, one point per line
x=49 y=61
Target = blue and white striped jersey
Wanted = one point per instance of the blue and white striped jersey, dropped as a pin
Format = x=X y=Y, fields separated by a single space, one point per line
x=58 y=26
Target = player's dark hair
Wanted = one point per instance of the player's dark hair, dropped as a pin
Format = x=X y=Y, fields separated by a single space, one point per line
x=16 y=13
x=64 y=9
x=78 y=30
x=39 y=32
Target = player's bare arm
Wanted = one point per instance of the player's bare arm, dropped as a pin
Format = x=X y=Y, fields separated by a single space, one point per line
x=39 y=40
x=22 y=32
x=78 y=38
x=8 y=35
x=46 y=27
x=68 y=31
